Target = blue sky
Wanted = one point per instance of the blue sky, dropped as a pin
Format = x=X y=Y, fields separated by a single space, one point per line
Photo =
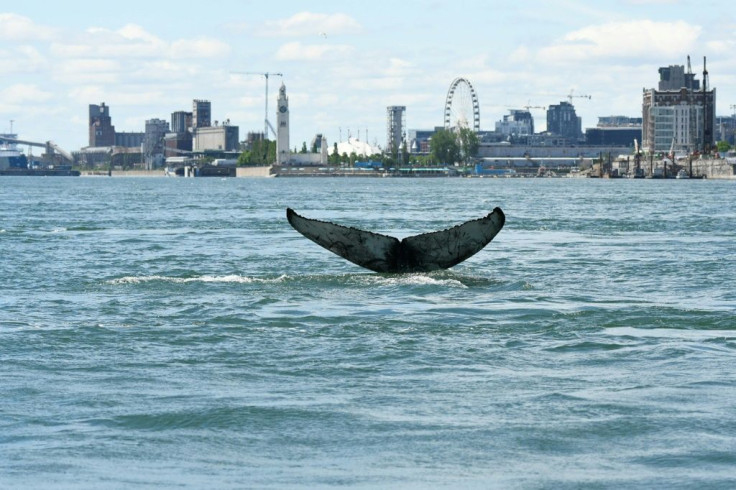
x=344 y=62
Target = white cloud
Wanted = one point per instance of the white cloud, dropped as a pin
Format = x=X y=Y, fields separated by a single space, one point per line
x=87 y=94
x=379 y=83
x=199 y=48
x=88 y=70
x=398 y=67
x=250 y=101
x=15 y=27
x=22 y=59
x=725 y=46
x=634 y=39
x=521 y=54
x=311 y=24
x=297 y=51
x=133 y=42
x=18 y=94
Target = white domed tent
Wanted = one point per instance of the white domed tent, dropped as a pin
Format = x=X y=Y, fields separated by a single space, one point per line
x=354 y=145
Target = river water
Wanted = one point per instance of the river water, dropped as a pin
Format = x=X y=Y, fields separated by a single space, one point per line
x=160 y=333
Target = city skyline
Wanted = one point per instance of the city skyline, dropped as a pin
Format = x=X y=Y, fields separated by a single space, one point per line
x=344 y=64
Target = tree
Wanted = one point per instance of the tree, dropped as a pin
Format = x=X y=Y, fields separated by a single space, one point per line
x=304 y=147
x=723 y=146
x=334 y=158
x=468 y=141
x=262 y=152
x=444 y=146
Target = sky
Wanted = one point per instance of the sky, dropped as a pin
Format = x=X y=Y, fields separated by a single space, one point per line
x=344 y=62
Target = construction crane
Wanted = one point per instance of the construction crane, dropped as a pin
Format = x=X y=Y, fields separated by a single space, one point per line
x=266 y=124
x=570 y=96
x=707 y=112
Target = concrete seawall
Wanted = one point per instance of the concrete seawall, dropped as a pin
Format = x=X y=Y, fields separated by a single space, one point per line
x=247 y=172
x=254 y=172
x=123 y=173
x=714 y=169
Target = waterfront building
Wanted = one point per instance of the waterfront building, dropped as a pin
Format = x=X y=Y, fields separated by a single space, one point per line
x=153 y=143
x=217 y=138
x=395 y=127
x=129 y=139
x=616 y=131
x=176 y=144
x=201 y=114
x=518 y=125
x=674 y=77
x=283 y=153
x=101 y=130
x=181 y=121
x=613 y=136
x=726 y=130
x=419 y=140
x=679 y=118
x=316 y=155
x=563 y=121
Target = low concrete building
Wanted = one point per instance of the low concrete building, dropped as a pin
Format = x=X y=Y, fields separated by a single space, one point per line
x=223 y=138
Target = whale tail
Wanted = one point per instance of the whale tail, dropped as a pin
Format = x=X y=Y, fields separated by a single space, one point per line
x=419 y=253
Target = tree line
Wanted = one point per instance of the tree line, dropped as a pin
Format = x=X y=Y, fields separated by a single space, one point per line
x=447 y=147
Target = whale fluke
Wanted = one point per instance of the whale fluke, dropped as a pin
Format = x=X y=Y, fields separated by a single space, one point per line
x=419 y=253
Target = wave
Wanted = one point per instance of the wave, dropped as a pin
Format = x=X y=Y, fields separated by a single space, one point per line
x=671 y=333
x=231 y=278
x=443 y=279
x=409 y=280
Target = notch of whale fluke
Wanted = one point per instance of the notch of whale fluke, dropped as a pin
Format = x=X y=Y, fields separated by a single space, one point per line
x=419 y=253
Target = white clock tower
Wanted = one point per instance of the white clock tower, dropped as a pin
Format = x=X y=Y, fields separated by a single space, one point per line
x=282 y=128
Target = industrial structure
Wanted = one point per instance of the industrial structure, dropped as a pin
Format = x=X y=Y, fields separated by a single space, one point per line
x=153 y=143
x=679 y=116
x=101 y=130
x=395 y=128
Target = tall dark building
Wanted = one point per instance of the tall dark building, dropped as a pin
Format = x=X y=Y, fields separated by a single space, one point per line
x=181 y=121
x=201 y=114
x=562 y=121
x=101 y=130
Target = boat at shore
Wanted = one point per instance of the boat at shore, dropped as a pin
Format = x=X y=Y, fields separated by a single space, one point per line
x=15 y=163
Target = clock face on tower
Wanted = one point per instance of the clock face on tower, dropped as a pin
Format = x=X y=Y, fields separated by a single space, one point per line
x=282 y=108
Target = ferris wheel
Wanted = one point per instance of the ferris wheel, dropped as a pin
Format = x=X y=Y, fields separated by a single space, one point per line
x=462 y=109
